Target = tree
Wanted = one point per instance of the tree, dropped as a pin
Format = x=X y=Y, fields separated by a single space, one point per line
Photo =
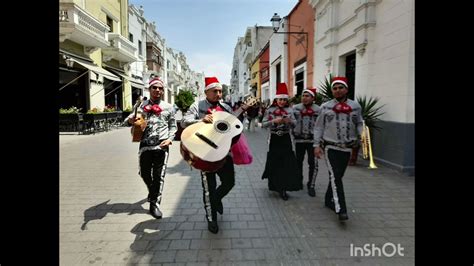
x=184 y=99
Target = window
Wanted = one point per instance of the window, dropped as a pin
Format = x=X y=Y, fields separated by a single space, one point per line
x=299 y=81
x=110 y=23
x=130 y=37
x=139 y=47
x=278 y=74
x=168 y=64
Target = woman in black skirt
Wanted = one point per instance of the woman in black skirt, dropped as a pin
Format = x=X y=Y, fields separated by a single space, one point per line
x=281 y=168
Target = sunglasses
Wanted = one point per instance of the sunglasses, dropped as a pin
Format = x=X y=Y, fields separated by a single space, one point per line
x=155 y=88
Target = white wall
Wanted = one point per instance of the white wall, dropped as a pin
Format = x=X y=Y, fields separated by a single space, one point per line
x=278 y=54
x=385 y=65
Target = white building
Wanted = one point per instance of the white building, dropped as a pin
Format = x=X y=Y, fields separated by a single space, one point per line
x=278 y=62
x=373 y=40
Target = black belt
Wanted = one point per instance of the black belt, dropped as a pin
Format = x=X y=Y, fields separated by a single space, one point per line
x=280 y=132
x=304 y=136
x=340 y=145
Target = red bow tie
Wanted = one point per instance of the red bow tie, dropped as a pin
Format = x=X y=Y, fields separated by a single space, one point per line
x=280 y=111
x=307 y=112
x=217 y=109
x=153 y=108
x=342 y=108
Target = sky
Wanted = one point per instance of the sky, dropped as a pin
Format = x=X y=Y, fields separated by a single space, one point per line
x=206 y=31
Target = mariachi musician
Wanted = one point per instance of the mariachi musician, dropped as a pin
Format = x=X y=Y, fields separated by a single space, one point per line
x=154 y=144
x=202 y=111
x=281 y=169
x=306 y=114
x=337 y=130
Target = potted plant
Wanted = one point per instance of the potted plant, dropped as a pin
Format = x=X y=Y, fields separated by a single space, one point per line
x=370 y=113
x=70 y=119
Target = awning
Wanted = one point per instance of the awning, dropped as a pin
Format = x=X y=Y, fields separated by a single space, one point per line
x=96 y=69
x=135 y=82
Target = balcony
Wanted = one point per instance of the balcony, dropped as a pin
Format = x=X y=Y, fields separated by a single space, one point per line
x=173 y=77
x=79 y=26
x=248 y=54
x=120 y=49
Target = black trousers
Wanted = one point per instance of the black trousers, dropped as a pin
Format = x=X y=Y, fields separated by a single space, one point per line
x=153 y=170
x=212 y=195
x=337 y=161
x=301 y=149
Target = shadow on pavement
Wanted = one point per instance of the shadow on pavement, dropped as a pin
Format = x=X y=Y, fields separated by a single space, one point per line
x=99 y=211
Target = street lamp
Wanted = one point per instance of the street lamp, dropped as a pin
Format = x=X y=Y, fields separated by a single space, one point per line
x=276 y=20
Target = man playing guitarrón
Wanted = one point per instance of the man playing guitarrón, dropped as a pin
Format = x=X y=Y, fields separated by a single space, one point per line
x=202 y=111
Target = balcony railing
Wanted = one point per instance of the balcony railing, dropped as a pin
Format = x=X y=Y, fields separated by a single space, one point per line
x=80 y=27
x=120 y=48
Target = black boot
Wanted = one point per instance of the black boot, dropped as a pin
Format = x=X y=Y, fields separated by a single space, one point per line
x=155 y=211
x=212 y=226
x=311 y=191
x=343 y=216
x=283 y=195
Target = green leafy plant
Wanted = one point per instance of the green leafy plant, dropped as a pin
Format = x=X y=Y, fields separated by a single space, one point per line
x=94 y=110
x=294 y=100
x=370 y=112
x=184 y=99
x=324 y=91
x=71 y=110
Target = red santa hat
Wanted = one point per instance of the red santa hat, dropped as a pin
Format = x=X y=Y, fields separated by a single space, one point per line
x=311 y=91
x=156 y=81
x=342 y=80
x=282 y=91
x=211 y=82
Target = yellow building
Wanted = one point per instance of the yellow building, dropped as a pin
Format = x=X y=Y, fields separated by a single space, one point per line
x=255 y=78
x=95 y=54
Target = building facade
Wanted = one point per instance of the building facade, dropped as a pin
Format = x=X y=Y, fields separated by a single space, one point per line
x=372 y=43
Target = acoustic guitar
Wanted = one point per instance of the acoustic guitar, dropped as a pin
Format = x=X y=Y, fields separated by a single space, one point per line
x=205 y=145
x=139 y=125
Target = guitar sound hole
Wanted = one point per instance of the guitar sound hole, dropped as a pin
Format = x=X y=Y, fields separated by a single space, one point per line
x=222 y=126
x=237 y=126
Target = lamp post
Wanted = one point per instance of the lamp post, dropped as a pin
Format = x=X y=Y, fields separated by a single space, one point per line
x=276 y=20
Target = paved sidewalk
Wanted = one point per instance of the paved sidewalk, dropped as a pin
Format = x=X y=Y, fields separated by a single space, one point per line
x=104 y=219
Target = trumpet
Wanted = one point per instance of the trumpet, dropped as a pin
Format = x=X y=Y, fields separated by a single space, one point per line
x=367 y=146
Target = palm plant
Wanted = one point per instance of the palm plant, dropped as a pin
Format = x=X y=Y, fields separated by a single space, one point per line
x=370 y=113
x=324 y=93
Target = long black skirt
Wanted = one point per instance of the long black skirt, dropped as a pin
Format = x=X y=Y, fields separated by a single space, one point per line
x=281 y=168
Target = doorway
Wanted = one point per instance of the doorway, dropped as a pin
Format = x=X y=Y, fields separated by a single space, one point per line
x=350 y=74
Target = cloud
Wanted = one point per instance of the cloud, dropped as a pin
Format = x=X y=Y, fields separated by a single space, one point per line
x=212 y=65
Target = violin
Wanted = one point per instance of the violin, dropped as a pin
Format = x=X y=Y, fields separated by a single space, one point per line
x=139 y=125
